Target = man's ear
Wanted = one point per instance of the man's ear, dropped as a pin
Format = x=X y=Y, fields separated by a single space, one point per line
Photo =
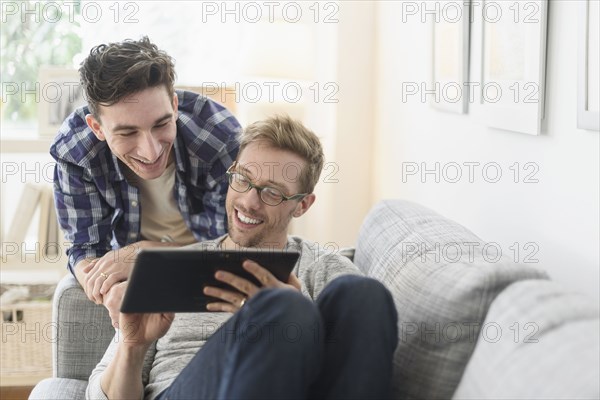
x=175 y=103
x=304 y=205
x=94 y=125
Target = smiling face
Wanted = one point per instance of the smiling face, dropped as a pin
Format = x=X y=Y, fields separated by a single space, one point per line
x=253 y=223
x=140 y=130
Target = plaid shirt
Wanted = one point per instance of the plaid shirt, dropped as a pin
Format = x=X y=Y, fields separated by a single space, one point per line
x=100 y=211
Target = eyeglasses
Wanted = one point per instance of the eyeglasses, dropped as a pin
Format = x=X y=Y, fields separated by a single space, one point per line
x=269 y=195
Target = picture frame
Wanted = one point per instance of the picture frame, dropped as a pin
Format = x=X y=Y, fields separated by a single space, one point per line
x=511 y=64
x=450 y=57
x=60 y=93
x=588 y=97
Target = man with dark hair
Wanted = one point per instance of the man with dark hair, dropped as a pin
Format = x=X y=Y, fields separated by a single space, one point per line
x=140 y=166
x=326 y=333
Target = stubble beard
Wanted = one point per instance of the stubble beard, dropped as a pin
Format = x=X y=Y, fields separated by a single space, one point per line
x=242 y=240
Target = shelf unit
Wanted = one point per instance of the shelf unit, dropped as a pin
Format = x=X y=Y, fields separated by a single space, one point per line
x=13 y=268
x=33 y=145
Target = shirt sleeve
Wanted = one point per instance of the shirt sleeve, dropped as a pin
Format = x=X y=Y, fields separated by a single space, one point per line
x=94 y=389
x=319 y=266
x=82 y=213
x=216 y=190
x=328 y=268
x=220 y=131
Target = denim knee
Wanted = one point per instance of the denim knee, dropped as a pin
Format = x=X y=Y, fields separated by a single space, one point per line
x=359 y=289
x=283 y=306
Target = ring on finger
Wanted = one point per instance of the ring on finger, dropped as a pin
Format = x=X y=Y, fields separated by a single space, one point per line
x=242 y=302
x=102 y=274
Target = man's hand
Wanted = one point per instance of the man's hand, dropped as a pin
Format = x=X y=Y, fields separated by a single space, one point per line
x=122 y=379
x=137 y=328
x=112 y=301
x=97 y=276
x=232 y=300
x=141 y=330
x=113 y=267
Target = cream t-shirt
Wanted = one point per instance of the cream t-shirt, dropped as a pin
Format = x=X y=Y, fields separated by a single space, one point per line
x=161 y=219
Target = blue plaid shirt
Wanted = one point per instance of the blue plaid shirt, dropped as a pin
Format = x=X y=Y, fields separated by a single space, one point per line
x=100 y=211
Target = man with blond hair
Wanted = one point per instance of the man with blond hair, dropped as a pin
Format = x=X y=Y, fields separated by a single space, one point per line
x=327 y=332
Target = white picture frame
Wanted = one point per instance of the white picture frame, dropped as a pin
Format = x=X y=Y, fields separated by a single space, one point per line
x=450 y=57
x=60 y=93
x=510 y=68
x=588 y=97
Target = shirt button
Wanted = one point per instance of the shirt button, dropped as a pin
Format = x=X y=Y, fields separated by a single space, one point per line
x=133 y=235
x=134 y=203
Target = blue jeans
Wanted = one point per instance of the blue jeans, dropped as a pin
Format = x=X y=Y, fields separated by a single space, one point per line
x=281 y=345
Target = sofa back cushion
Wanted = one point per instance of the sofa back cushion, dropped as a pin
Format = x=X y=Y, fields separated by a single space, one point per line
x=443 y=279
x=544 y=345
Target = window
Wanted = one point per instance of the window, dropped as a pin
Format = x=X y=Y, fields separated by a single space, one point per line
x=33 y=34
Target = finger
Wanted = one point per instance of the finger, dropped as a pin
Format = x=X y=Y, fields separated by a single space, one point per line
x=239 y=283
x=225 y=295
x=221 y=307
x=234 y=300
x=113 y=300
x=90 y=266
x=111 y=280
x=98 y=298
x=266 y=278
x=114 y=319
x=113 y=312
x=294 y=281
x=92 y=279
x=89 y=286
x=168 y=316
x=87 y=278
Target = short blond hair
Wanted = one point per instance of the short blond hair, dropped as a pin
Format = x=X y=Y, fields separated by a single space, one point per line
x=285 y=133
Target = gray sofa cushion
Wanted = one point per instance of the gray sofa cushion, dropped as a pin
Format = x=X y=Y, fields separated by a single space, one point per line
x=58 y=388
x=548 y=347
x=442 y=282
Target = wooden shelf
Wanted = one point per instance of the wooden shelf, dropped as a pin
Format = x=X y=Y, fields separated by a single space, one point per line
x=28 y=381
x=32 y=270
x=32 y=275
x=33 y=145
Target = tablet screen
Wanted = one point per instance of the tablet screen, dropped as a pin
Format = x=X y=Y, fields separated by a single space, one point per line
x=172 y=280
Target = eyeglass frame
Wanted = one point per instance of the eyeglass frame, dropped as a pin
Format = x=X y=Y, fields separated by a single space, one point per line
x=259 y=189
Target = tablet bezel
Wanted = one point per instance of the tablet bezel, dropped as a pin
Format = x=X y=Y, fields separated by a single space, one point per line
x=161 y=278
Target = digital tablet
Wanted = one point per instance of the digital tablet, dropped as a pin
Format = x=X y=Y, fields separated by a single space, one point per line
x=172 y=280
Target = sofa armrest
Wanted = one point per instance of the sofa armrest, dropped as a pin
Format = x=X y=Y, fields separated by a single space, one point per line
x=58 y=388
x=83 y=331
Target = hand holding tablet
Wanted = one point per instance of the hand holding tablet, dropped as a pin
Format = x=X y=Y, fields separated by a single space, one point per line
x=173 y=280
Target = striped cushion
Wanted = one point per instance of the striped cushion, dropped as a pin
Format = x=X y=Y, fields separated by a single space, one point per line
x=443 y=279
x=547 y=348
x=59 y=388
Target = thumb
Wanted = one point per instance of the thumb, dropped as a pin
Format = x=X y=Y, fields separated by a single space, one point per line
x=294 y=281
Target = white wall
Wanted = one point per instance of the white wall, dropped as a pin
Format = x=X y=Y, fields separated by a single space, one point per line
x=345 y=125
x=370 y=134
x=559 y=214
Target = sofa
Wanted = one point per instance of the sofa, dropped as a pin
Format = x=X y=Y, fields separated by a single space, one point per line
x=472 y=323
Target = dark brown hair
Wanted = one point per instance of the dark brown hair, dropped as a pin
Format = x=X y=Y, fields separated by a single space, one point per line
x=116 y=70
